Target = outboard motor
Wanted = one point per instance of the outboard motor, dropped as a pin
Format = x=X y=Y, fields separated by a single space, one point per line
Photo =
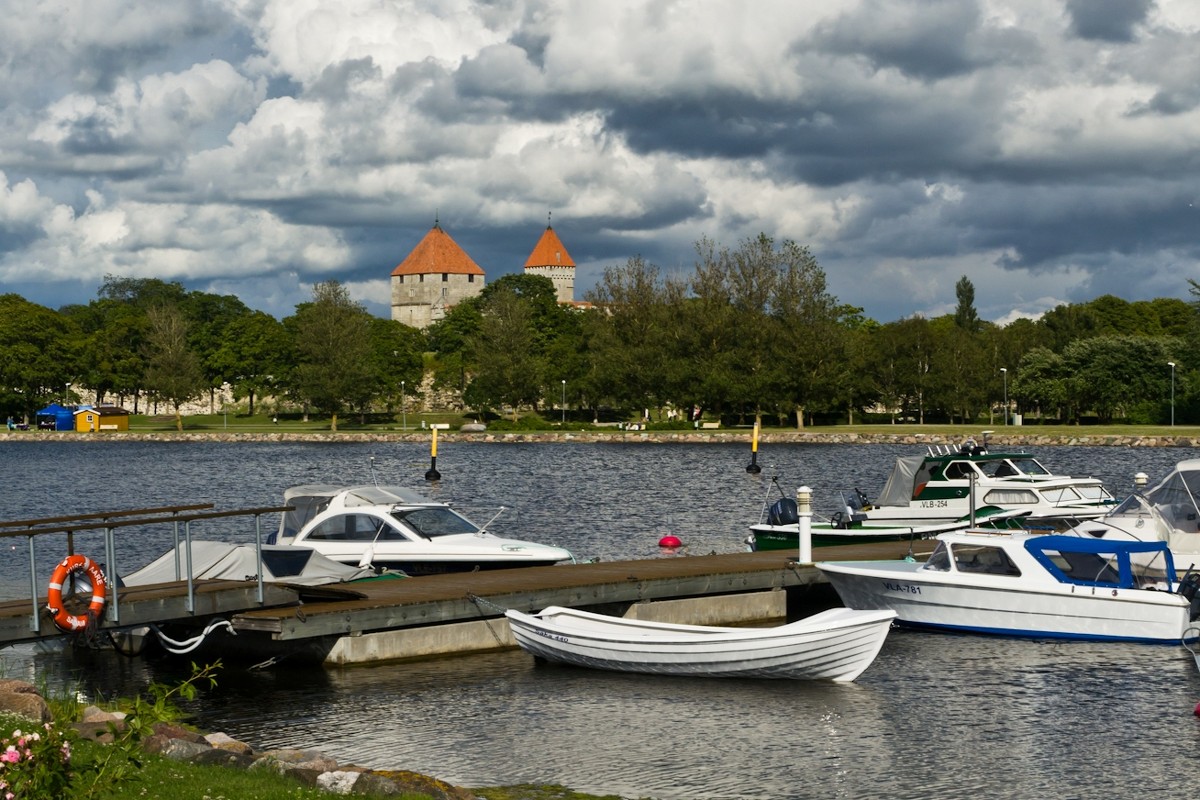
x=783 y=512
x=1189 y=587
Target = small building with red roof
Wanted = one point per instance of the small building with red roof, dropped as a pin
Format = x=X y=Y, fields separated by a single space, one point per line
x=436 y=275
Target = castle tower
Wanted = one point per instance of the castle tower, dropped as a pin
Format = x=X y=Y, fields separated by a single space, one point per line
x=436 y=275
x=551 y=260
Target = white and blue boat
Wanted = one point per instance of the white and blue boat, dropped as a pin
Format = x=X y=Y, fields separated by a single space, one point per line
x=1030 y=585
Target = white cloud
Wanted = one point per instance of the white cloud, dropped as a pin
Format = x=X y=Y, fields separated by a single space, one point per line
x=232 y=142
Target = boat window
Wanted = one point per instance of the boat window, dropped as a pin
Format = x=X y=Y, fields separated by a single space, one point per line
x=1095 y=493
x=985 y=559
x=958 y=470
x=354 y=528
x=1087 y=567
x=1030 y=466
x=998 y=469
x=431 y=522
x=939 y=559
x=1064 y=494
x=1010 y=497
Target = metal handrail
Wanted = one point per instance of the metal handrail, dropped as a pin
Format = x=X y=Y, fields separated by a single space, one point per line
x=28 y=523
x=111 y=520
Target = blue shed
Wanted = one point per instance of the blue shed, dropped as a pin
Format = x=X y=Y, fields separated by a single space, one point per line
x=55 y=417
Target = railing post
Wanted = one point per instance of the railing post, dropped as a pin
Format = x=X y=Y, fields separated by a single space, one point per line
x=110 y=561
x=258 y=553
x=35 y=621
x=175 y=530
x=191 y=593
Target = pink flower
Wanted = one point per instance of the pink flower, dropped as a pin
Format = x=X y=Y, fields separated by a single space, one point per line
x=10 y=756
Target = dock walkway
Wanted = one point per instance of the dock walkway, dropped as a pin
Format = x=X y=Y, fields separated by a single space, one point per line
x=377 y=620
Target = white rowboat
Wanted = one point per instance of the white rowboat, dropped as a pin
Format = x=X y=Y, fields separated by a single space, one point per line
x=835 y=645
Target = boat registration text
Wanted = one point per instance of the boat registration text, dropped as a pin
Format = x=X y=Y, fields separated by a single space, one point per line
x=902 y=588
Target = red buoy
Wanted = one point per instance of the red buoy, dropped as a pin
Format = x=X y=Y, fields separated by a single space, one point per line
x=670 y=541
x=1197 y=710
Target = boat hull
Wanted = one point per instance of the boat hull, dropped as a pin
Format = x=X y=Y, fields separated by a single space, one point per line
x=420 y=566
x=1064 y=612
x=835 y=645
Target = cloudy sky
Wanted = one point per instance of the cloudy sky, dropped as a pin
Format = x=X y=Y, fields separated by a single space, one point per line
x=1047 y=149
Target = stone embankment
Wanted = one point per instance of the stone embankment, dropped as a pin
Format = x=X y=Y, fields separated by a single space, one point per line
x=308 y=767
x=1026 y=438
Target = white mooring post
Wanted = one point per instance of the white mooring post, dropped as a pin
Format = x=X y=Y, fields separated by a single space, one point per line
x=804 y=523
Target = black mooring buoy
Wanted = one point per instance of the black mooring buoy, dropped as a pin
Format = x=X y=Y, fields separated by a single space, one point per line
x=754 y=468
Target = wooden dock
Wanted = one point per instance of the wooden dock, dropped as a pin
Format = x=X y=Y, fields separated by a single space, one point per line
x=388 y=619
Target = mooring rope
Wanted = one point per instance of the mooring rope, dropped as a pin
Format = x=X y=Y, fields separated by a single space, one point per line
x=1184 y=642
x=482 y=601
x=187 y=646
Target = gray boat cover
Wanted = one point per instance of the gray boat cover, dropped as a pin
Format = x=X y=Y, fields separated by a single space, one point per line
x=237 y=562
x=898 y=490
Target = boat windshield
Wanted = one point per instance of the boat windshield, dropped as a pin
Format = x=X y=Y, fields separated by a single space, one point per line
x=1029 y=465
x=939 y=559
x=1175 y=498
x=438 y=521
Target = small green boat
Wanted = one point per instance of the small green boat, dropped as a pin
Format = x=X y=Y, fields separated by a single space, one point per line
x=781 y=530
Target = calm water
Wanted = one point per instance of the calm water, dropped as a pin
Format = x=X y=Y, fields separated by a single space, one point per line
x=935 y=716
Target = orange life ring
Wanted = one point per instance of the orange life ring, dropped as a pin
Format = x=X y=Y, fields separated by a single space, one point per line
x=54 y=602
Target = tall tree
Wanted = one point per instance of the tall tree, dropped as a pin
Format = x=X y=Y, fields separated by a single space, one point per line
x=807 y=349
x=251 y=355
x=508 y=366
x=632 y=348
x=173 y=370
x=965 y=315
x=39 y=355
x=333 y=344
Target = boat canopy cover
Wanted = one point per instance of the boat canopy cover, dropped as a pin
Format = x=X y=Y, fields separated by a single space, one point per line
x=1100 y=557
x=1175 y=499
x=898 y=491
x=238 y=562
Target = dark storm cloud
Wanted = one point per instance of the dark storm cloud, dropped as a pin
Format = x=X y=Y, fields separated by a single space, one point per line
x=1107 y=20
x=1045 y=149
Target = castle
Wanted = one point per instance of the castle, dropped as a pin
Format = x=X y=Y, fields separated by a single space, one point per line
x=438 y=274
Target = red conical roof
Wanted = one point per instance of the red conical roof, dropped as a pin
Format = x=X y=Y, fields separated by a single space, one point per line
x=437 y=252
x=549 y=252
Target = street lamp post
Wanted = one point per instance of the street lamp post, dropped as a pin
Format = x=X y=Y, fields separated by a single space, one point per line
x=1171 y=364
x=564 y=401
x=403 y=408
x=1004 y=372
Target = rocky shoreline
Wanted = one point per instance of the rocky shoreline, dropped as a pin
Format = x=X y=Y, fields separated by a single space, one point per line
x=1025 y=438
x=308 y=767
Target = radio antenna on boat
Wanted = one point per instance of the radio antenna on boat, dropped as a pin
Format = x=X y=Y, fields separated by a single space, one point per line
x=371 y=466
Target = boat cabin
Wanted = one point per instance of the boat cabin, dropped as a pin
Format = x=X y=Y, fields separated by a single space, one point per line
x=1067 y=559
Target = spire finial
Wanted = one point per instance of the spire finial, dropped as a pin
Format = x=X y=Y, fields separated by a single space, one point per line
x=548 y=226
x=436 y=222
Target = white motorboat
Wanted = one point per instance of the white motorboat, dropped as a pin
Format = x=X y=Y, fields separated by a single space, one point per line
x=390 y=527
x=1022 y=584
x=945 y=483
x=1169 y=512
x=835 y=645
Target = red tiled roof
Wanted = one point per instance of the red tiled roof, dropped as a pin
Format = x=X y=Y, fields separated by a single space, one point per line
x=549 y=252
x=437 y=252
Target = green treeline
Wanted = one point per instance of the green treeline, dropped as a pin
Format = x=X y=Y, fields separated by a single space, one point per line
x=751 y=332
